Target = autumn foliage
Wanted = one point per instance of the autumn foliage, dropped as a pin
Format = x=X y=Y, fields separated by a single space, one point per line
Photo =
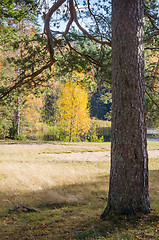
x=73 y=115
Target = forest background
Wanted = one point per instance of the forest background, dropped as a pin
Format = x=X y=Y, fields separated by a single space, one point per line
x=72 y=100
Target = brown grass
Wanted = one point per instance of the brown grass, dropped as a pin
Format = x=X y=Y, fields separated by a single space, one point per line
x=70 y=194
x=29 y=168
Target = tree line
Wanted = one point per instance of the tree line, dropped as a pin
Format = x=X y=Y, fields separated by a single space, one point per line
x=64 y=112
x=23 y=51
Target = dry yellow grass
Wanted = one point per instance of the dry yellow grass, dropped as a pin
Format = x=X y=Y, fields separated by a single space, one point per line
x=40 y=175
x=70 y=190
x=34 y=168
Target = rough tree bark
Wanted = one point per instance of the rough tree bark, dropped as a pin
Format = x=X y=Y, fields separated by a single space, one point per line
x=128 y=189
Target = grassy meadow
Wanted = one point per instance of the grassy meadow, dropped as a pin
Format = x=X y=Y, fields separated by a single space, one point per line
x=68 y=184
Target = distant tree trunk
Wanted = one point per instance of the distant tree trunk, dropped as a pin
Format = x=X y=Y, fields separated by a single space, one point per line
x=70 y=135
x=128 y=189
x=16 y=120
x=18 y=116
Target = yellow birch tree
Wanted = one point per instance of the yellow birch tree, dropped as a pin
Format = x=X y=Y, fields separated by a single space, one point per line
x=73 y=116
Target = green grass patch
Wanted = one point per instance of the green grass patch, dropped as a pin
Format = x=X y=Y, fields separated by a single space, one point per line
x=154 y=145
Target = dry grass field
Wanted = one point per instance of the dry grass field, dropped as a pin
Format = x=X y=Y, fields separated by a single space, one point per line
x=68 y=184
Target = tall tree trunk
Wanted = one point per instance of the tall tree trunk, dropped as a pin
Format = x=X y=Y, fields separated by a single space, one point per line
x=128 y=190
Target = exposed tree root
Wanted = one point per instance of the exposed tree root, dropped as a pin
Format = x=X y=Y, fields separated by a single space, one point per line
x=106 y=212
x=24 y=209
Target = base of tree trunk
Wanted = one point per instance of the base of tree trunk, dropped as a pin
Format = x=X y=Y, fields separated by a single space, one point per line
x=127 y=212
x=106 y=212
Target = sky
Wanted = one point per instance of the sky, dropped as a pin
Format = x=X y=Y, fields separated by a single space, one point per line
x=63 y=23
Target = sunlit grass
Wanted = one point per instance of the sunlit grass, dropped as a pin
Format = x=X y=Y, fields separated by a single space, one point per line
x=70 y=194
x=153 y=145
x=28 y=168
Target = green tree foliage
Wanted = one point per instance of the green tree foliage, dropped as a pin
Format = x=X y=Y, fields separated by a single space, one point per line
x=50 y=107
x=17 y=9
x=12 y=12
x=100 y=103
x=23 y=48
x=152 y=80
x=152 y=61
x=23 y=51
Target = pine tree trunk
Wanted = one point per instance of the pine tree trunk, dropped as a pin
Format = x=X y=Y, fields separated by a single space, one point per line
x=128 y=189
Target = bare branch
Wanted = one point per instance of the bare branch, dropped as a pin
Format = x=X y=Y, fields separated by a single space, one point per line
x=152 y=99
x=47 y=31
x=153 y=83
x=150 y=17
x=74 y=16
x=23 y=79
x=93 y=15
x=68 y=25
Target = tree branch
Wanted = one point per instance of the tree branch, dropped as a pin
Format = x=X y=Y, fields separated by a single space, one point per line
x=21 y=81
x=88 y=4
x=152 y=99
x=47 y=31
x=52 y=41
x=88 y=57
x=150 y=17
x=68 y=25
x=154 y=77
x=74 y=16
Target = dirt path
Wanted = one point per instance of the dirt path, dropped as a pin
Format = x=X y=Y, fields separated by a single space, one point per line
x=91 y=156
x=82 y=156
x=153 y=153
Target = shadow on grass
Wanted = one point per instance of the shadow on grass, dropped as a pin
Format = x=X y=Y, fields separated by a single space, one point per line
x=73 y=212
